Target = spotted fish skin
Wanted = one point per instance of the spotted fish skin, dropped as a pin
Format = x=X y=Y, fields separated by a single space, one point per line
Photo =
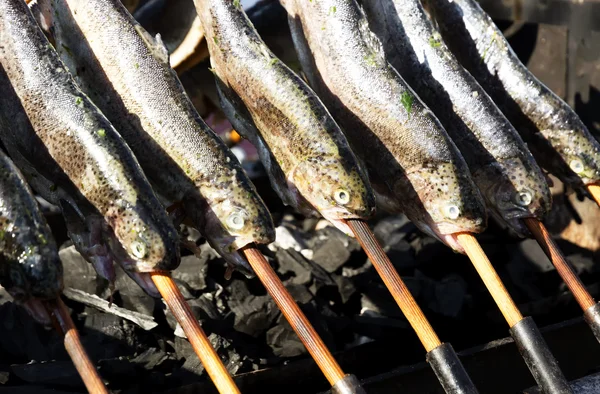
x=29 y=265
x=556 y=136
x=61 y=130
x=126 y=72
x=502 y=166
x=385 y=121
x=308 y=158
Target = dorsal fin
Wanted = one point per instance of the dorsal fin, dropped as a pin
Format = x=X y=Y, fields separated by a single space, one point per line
x=155 y=44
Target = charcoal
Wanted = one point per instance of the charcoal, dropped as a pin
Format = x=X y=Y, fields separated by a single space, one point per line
x=231 y=359
x=288 y=237
x=531 y=252
x=450 y=296
x=299 y=293
x=20 y=334
x=144 y=321
x=332 y=248
x=392 y=229
x=284 y=341
x=78 y=273
x=153 y=358
x=193 y=269
x=253 y=314
x=289 y=262
x=203 y=308
x=4 y=296
x=108 y=336
x=133 y=297
x=345 y=287
x=56 y=372
x=32 y=389
x=4 y=376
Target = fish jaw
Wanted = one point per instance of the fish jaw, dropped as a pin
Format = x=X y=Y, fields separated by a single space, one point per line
x=514 y=191
x=37 y=311
x=144 y=280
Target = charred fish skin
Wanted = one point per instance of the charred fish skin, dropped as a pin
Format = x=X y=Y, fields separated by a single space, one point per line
x=126 y=72
x=71 y=130
x=310 y=162
x=385 y=121
x=557 y=137
x=502 y=166
x=29 y=263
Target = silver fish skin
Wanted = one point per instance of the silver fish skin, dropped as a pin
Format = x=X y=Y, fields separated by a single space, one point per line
x=386 y=122
x=556 y=136
x=502 y=166
x=126 y=72
x=61 y=130
x=309 y=160
x=30 y=269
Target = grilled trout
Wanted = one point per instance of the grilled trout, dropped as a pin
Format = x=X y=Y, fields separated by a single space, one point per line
x=556 y=136
x=387 y=124
x=308 y=159
x=502 y=167
x=30 y=269
x=126 y=72
x=51 y=125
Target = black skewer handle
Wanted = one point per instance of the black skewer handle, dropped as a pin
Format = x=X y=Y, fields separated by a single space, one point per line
x=539 y=360
x=592 y=318
x=449 y=370
x=348 y=385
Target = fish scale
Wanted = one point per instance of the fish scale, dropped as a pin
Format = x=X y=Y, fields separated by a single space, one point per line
x=307 y=156
x=29 y=263
x=386 y=122
x=52 y=125
x=127 y=74
x=556 y=136
x=502 y=166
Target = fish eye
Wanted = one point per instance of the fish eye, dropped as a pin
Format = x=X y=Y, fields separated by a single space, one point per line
x=576 y=165
x=235 y=221
x=341 y=196
x=138 y=249
x=452 y=212
x=524 y=198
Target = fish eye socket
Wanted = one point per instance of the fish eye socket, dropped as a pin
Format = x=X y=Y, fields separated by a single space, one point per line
x=341 y=196
x=235 y=221
x=576 y=165
x=138 y=249
x=452 y=212
x=524 y=198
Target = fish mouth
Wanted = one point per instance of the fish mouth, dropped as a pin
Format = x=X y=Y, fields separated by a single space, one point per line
x=445 y=233
x=338 y=216
x=144 y=280
x=37 y=311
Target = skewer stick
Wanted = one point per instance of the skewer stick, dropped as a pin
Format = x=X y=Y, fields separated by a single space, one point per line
x=566 y=272
x=202 y=346
x=63 y=323
x=490 y=278
x=294 y=315
x=595 y=192
x=395 y=284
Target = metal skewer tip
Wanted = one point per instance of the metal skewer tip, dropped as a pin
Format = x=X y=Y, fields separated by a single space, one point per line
x=305 y=331
x=198 y=339
x=63 y=323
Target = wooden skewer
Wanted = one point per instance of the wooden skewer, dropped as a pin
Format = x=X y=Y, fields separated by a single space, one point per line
x=62 y=320
x=566 y=272
x=595 y=192
x=395 y=284
x=490 y=278
x=305 y=331
x=202 y=346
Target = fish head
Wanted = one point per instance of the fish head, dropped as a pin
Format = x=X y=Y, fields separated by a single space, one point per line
x=448 y=202
x=230 y=216
x=34 y=270
x=515 y=191
x=143 y=239
x=336 y=190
